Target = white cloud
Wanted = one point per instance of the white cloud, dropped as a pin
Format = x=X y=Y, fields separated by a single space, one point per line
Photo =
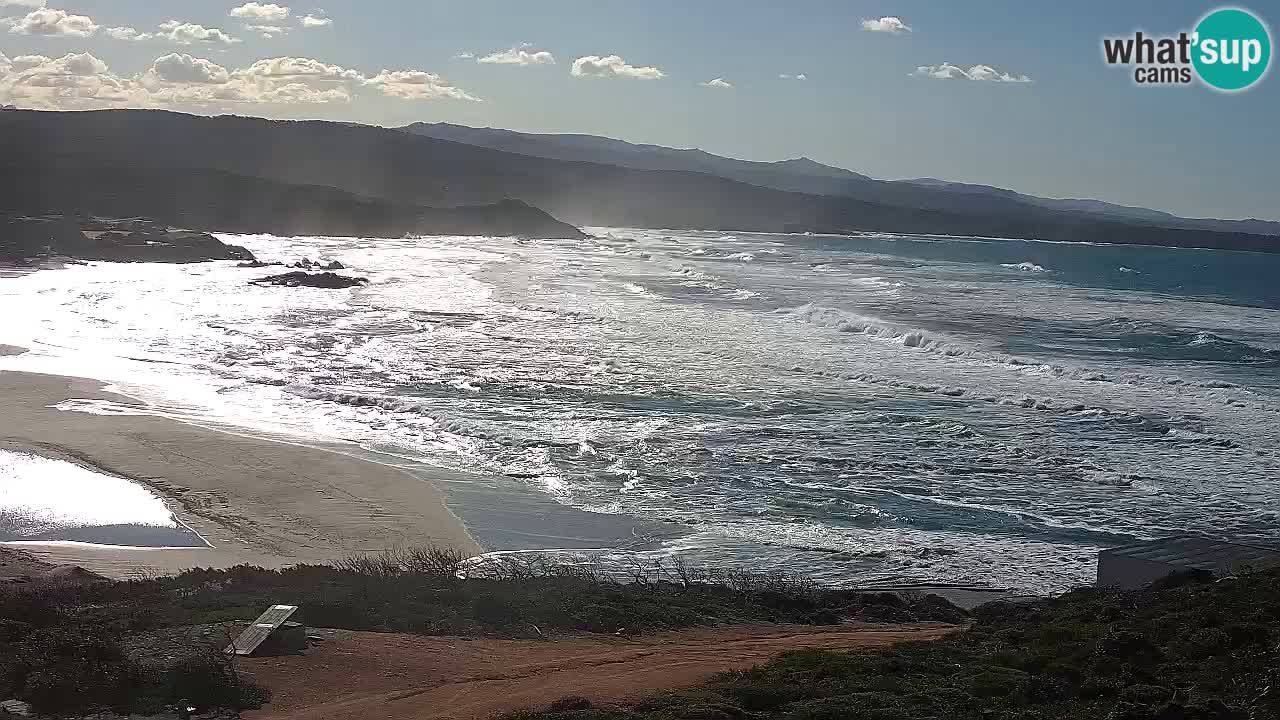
x=302 y=69
x=718 y=83
x=269 y=31
x=23 y=3
x=981 y=73
x=418 y=85
x=886 y=25
x=316 y=21
x=185 y=69
x=75 y=80
x=787 y=76
x=51 y=22
x=192 y=33
x=521 y=55
x=464 y=56
x=181 y=80
x=127 y=33
x=260 y=14
x=612 y=66
x=25 y=62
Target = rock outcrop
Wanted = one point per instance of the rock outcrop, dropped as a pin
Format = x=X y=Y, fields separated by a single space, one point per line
x=299 y=278
x=33 y=238
x=309 y=264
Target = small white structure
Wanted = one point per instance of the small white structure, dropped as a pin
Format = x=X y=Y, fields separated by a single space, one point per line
x=1129 y=567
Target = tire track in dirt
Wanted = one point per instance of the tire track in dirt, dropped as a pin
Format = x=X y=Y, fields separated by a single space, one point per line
x=375 y=676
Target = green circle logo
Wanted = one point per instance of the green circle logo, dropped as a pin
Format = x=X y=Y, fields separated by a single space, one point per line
x=1231 y=49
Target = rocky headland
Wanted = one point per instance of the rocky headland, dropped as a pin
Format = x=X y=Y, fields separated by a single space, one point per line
x=31 y=240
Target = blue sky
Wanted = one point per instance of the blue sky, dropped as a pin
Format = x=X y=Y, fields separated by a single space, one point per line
x=1078 y=129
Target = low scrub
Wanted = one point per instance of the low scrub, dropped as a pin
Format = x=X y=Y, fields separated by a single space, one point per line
x=1187 y=649
x=61 y=646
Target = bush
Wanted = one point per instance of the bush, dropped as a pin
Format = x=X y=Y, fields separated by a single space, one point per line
x=60 y=646
x=209 y=680
x=1087 y=655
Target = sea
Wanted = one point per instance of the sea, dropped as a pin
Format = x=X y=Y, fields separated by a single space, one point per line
x=862 y=410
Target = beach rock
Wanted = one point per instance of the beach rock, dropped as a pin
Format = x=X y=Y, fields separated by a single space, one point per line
x=333 y=265
x=298 y=278
x=303 y=264
x=257 y=264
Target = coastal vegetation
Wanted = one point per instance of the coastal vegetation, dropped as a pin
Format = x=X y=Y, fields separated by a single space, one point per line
x=1188 y=648
x=77 y=646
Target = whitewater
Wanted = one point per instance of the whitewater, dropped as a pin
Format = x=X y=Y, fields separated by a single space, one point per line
x=863 y=410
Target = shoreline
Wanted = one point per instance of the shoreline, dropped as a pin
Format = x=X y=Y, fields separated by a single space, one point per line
x=256 y=501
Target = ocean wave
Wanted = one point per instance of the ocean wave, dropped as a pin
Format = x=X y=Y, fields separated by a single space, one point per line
x=1026 y=267
x=916 y=339
x=847 y=322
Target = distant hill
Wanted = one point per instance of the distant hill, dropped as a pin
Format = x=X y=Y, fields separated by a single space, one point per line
x=1124 y=213
x=322 y=172
x=800 y=175
x=218 y=200
x=809 y=176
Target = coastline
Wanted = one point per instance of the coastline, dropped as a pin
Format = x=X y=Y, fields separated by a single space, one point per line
x=255 y=501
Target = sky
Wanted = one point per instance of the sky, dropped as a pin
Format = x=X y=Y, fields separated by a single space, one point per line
x=1007 y=93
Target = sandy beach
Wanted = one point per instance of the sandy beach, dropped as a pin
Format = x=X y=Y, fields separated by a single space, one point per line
x=255 y=501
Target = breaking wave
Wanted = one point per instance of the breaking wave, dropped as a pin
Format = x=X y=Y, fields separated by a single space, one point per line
x=1025 y=267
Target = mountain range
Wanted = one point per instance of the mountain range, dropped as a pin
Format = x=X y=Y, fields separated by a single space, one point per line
x=244 y=173
x=809 y=176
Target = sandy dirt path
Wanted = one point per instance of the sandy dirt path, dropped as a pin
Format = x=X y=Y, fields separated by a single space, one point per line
x=373 y=676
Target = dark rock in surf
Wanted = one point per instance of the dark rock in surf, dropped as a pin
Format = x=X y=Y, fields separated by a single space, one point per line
x=333 y=265
x=298 y=278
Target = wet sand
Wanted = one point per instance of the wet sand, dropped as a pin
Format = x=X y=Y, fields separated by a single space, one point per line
x=256 y=501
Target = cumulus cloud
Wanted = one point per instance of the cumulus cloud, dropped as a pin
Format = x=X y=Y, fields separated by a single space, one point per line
x=75 y=80
x=418 y=85
x=981 y=73
x=521 y=55
x=305 y=69
x=886 y=25
x=799 y=76
x=260 y=14
x=184 y=69
x=465 y=56
x=185 y=81
x=24 y=62
x=51 y=22
x=127 y=33
x=316 y=21
x=718 y=83
x=612 y=66
x=184 y=33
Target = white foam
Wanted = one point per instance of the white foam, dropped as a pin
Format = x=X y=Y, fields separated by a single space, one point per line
x=1025 y=267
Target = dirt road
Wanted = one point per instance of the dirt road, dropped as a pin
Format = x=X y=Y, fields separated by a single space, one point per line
x=372 y=676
